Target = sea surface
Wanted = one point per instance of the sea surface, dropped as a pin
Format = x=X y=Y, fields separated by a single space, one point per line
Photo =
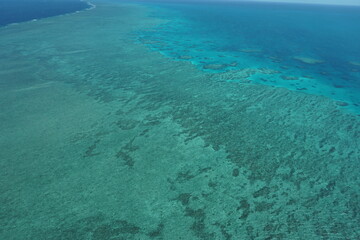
x=309 y=48
x=15 y=11
x=195 y=121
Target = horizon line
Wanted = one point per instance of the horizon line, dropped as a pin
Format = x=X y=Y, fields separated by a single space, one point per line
x=270 y=1
x=295 y=2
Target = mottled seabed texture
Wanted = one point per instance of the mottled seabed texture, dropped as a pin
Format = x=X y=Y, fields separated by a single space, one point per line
x=104 y=138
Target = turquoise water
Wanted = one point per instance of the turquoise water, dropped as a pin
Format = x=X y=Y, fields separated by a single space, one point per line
x=309 y=48
x=146 y=122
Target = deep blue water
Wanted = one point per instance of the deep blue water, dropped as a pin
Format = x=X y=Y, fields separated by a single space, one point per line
x=15 y=11
x=312 y=48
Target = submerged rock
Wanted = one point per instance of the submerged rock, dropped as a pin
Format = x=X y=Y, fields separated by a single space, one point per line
x=289 y=77
x=342 y=104
x=215 y=66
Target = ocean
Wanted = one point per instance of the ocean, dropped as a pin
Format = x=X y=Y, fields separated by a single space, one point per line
x=310 y=48
x=15 y=11
x=186 y=120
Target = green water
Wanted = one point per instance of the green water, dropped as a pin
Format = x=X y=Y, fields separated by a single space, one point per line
x=102 y=138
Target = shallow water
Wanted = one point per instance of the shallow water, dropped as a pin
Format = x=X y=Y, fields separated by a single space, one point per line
x=103 y=138
x=312 y=48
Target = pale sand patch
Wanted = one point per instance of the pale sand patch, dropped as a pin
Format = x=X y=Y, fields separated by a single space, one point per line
x=308 y=60
x=250 y=50
x=35 y=87
x=75 y=52
x=355 y=63
x=214 y=66
x=185 y=57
